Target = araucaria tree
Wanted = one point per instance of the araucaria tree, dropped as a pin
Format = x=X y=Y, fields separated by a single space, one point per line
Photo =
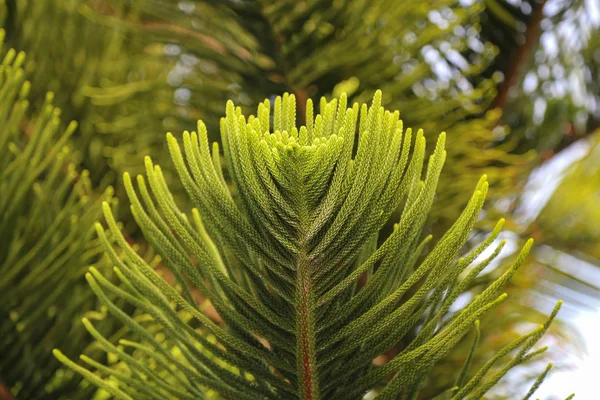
x=286 y=242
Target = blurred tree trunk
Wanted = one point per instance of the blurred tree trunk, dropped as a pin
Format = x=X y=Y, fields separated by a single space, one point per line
x=518 y=60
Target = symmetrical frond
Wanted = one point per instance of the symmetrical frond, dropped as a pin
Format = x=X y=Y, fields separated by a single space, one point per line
x=291 y=259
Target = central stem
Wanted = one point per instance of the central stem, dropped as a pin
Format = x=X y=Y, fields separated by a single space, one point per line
x=306 y=366
x=305 y=326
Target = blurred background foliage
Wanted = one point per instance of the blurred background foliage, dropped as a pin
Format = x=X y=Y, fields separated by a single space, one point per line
x=47 y=208
x=514 y=83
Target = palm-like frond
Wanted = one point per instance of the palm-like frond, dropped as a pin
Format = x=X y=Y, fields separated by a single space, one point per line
x=308 y=294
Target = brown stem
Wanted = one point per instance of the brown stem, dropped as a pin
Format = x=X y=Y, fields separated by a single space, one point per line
x=518 y=60
x=305 y=325
x=301 y=99
x=569 y=139
x=5 y=394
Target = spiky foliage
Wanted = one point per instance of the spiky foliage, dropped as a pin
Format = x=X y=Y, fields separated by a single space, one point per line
x=291 y=260
x=171 y=63
x=46 y=210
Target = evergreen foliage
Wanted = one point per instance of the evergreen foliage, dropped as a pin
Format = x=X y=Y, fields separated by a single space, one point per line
x=128 y=71
x=83 y=55
x=290 y=256
x=171 y=63
x=46 y=211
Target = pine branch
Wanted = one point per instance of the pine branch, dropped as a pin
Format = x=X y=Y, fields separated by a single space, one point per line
x=46 y=209
x=280 y=256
